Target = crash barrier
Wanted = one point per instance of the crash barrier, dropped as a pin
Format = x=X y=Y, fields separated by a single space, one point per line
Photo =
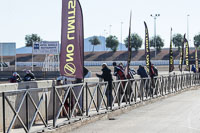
x=65 y=103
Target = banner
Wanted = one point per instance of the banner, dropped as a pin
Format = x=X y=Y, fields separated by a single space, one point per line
x=129 y=48
x=187 y=54
x=171 y=58
x=72 y=40
x=46 y=47
x=196 y=60
x=147 y=48
x=181 y=55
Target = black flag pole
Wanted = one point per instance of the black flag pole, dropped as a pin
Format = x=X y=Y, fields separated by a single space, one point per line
x=129 y=47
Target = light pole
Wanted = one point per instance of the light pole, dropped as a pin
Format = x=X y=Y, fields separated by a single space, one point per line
x=105 y=32
x=1 y=56
x=121 y=35
x=188 y=27
x=155 y=17
x=110 y=29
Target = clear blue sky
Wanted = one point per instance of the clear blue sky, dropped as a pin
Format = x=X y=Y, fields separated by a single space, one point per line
x=43 y=17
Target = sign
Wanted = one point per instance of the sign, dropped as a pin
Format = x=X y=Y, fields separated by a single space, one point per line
x=46 y=47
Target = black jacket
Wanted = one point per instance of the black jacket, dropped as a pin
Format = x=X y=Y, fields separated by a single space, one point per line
x=142 y=72
x=106 y=75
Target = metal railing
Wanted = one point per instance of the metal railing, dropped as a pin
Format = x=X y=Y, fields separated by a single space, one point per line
x=76 y=101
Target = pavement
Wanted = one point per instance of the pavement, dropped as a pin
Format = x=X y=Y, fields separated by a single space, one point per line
x=177 y=114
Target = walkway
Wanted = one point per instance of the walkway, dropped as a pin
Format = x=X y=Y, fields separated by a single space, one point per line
x=177 y=114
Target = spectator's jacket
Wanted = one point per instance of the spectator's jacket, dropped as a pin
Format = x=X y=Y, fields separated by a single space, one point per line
x=106 y=75
x=14 y=79
x=142 y=72
x=29 y=77
x=119 y=72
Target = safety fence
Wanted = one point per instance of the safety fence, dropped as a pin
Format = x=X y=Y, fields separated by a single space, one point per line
x=34 y=109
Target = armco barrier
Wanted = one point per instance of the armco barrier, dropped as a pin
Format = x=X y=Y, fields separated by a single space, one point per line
x=73 y=101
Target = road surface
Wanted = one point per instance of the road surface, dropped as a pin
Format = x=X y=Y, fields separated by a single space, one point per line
x=176 y=114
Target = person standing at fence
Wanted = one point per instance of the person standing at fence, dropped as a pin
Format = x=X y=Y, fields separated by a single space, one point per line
x=107 y=76
x=120 y=75
x=153 y=73
x=119 y=71
x=143 y=75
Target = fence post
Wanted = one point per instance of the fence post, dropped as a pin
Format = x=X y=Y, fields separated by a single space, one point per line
x=4 y=112
x=54 y=103
x=86 y=85
x=83 y=98
x=46 y=106
x=27 y=109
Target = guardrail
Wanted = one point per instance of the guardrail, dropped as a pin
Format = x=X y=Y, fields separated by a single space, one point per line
x=76 y=101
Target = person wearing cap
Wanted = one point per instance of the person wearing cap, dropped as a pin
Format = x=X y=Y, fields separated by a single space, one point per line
x=107 y=77
x=15 y=78
x=29 y=76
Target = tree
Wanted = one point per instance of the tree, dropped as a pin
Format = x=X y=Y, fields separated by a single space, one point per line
x=94 y=41
x=177 y=40
x=112 y=43
x=135 y=41
x=159 y=42
x=197 y=40
x=30 y=39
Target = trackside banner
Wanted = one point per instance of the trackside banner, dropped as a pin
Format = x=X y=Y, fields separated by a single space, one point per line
x=187 y=55
x=72 y=40
x=147 y=48
x=171 y=58
x=181 y=55
x=196 y=59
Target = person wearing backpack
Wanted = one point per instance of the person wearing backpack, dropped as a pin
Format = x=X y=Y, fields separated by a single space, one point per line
x=153 y=74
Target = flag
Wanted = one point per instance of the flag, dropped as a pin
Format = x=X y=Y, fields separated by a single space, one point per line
x=187 y=54
x=196 y=60
x=72 y=40
x=171 y=58
x=181 y=56
x=147 y=48
x=129 y=48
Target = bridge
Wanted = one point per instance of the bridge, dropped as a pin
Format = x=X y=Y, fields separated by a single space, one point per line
x=66 y=107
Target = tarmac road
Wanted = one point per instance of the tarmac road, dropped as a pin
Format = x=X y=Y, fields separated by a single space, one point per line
x=177 y=114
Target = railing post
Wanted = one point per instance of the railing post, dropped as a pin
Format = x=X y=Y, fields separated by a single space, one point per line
x=98 y=97
x=83 y=98
x=4 y=112
x=135 y=96
x=46 y=106
x=54 y=104
x=86 y=85
x=27 y=109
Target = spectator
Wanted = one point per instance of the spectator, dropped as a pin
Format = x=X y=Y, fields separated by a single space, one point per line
x=29 y=76
x=153 y=73
x=142 y=72
x=120 y=74
x=119 y=71
x=107 y=76
x=15 y=78
x=144 y=84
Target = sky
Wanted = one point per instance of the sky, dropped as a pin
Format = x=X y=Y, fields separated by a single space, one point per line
x=101 y=17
